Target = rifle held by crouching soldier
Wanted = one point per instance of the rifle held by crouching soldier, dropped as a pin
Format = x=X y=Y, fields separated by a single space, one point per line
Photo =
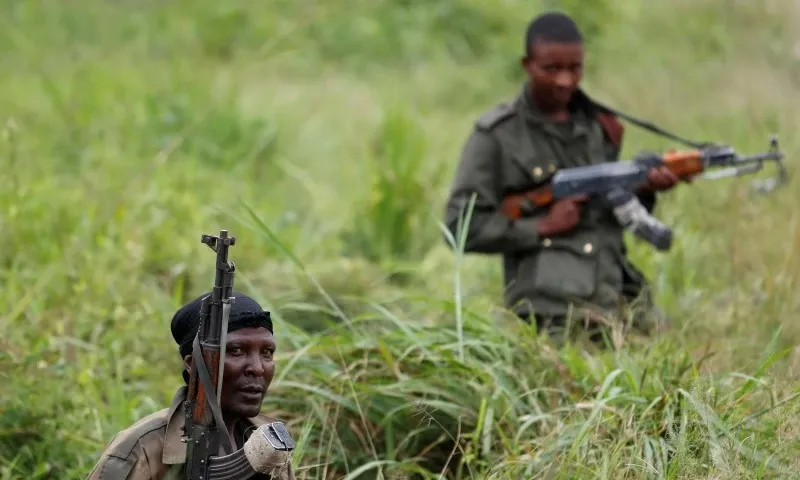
x=213 y=428
x=269 y=447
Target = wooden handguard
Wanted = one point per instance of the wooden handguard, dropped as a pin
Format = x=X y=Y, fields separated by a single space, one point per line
x=202 y=412
x=684 y=164
x=514 y=205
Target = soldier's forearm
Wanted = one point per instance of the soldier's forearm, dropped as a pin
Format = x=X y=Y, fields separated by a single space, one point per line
x=111 y=467
x=493 y=233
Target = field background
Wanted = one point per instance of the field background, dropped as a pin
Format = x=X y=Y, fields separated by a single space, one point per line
x=323 y=135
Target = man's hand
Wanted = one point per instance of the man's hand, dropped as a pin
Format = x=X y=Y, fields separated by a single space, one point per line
x=660 y=179
x=563 y=216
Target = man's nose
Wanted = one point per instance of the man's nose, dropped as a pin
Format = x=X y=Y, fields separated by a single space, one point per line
x=254 y=365
x=565 y=79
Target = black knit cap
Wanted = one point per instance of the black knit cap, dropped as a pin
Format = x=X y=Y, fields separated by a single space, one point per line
x=245 y=312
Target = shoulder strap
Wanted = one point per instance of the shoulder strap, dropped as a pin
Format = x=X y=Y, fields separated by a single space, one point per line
x=613 y=128
x=493 y=117
x=606 y=117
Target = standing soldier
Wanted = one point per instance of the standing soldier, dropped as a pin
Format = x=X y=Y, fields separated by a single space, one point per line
x=570 y=259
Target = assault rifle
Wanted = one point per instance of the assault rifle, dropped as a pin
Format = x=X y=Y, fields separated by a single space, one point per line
x=616 y=182
x=267 y=449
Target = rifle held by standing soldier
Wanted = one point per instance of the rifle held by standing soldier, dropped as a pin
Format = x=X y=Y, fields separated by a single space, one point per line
x=616 y=182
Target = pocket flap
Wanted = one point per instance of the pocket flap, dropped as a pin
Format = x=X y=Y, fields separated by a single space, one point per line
x=536 y=167
x=581 y=243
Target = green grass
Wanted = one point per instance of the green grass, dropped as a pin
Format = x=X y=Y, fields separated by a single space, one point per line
x=323 y=136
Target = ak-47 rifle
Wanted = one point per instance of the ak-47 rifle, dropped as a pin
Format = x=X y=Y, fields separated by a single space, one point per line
x=268 y=448
x=616 y=183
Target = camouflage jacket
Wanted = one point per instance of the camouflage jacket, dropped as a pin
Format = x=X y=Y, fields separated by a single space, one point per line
x=513 y=148
x=151 y=449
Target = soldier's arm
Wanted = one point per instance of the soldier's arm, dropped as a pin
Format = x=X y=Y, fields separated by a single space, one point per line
x=111 y=467
x=489 y=230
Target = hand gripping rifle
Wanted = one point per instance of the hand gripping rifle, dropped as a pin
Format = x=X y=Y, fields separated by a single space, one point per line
x=624 y=204
x=268 y=448
x=615 y=182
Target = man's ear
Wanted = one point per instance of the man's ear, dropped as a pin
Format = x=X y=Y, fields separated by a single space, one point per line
x=525 y=62
x=187 y=363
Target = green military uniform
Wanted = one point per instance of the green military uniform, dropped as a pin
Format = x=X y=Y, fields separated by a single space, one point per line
x=151 y=449
x=514 y=148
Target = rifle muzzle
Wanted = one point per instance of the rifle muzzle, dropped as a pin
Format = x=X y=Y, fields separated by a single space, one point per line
x=738 y=165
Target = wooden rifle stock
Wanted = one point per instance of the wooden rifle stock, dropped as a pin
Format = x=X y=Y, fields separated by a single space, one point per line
x=514 y=205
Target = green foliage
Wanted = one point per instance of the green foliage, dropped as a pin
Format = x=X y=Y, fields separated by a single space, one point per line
x=217 y=137
x=323 y=136
x=595 y=18
x=383 y=32
x=551 y=416
x=224 y=31
x=390 y=224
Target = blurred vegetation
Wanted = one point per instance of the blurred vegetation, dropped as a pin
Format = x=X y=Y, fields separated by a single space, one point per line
x=323 y=135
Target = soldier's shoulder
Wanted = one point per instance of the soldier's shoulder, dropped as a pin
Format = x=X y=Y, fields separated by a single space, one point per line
x=495 y=116
x=129 y=450
x=147 y=432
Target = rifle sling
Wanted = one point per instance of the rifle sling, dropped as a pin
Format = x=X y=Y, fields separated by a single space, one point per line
x=651 y=127
x=205 y=380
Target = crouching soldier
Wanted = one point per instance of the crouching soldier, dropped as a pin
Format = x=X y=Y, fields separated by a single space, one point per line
x=152 y=448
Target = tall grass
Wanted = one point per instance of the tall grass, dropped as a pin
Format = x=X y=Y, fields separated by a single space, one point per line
x=323 y=135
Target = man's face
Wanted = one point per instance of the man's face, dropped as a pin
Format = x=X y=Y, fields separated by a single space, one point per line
x=249 y=368
x=555 y=70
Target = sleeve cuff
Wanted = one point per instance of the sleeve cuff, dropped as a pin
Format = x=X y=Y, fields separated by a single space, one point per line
x=525 y=234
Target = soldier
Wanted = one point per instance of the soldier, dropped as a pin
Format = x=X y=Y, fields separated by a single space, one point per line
x=151 y=449
x=571 y=258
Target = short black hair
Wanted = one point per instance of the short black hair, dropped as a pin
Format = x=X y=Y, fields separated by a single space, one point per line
x=552 y=27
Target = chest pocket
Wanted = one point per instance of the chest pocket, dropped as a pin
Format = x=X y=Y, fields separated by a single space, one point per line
x=585 y=146
x=527 y=162
x=541 y=153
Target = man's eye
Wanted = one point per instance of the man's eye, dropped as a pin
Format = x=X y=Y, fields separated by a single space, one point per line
x=234 y=350
x=268 y=352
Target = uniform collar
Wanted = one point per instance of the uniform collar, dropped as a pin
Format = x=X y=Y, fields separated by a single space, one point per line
x=580 y=106
x=174 y=449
